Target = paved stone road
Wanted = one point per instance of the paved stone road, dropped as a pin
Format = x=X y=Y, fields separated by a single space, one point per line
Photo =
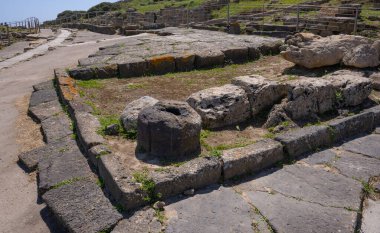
x=320 y=193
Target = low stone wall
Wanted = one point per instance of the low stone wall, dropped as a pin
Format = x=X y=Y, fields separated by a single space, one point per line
x=94 y=28
x=204 y=171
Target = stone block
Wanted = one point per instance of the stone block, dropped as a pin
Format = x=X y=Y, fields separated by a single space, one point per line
x=81 y=207
x=351 y=126
x=161 y=64
x=184 y=62
x=82 y=73
x=208 y=59
x=42 y=96
x=132 y=68
x=47 y=85
x=56 y=128
x=43 y=111
x=87 y=126
x=221 y=106
x=304 y=140
x=252 y=158
x=236 y=55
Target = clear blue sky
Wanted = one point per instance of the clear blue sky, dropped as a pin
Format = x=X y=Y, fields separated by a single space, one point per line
x=17 y=10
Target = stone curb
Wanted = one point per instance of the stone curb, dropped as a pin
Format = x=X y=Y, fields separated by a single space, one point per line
x=201 y=172
x=64 y=176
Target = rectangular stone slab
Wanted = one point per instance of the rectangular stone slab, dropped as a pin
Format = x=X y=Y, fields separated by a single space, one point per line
x=56 y=128
x=252 y=158
x=45 y=110
x=304 y=140
x=42 y=96
x=194 y=174
x=352 y=126
x=81 y=207
x=47 y=85
x=87 y=126
x=63 y=167
x=31 y=158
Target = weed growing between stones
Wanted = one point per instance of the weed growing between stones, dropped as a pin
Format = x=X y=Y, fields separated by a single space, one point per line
x=66 y=182
x=270 y=135
x=93 y=83
x=95 y=109
x=119 y=208
x=108 y=120
x=368 y=188
x=160 y=215
x=147 y=185
x=100 y=182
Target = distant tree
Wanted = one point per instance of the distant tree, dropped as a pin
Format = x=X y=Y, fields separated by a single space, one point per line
x=104 y=6
x=67 y=14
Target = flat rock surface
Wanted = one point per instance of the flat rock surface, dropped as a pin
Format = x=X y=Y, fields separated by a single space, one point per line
x=31 y=158
x=310 y=185
x=47 y=85
x=371 y=216
x=82 y=207
x=56 y=128
x=368 y=145
x=65 y=167
x=42 y=96
x=204 y=213
x=45 y=110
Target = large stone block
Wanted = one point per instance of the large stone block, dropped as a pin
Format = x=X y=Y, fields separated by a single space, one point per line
x=208 y=59
x=304 y=140
x=161 y=64
x=45 y=110
x=184 y=62
x=56 y=128
x=60 y=168
x=221 y=106
x=262 y=93
x=194 y=174
x=87 y=126
x=252 y=158
x=131 y=111
x=236 y=55
x=47 y=85
x=135 y=67
x=169 y=129
x=81 y=207
x=351 y=126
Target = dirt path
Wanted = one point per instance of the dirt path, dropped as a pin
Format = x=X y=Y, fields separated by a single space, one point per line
x=19 y=207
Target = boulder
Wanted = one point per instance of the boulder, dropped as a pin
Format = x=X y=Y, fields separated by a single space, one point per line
x=314 y=52
x=221 y=106
x=375 y=79
x=262 y=93
x=309 y=96
x=169 y=130
x=130 y=113
x=362 y=56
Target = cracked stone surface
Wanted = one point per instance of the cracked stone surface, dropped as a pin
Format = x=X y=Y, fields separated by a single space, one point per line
x=204 y=212
x=309 y=184
x=319 y=193
x=368 y=145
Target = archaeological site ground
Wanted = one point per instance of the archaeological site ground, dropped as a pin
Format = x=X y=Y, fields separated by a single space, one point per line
x=193 y=116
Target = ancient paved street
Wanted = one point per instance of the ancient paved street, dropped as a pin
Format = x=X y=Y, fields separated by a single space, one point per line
x=320 y=193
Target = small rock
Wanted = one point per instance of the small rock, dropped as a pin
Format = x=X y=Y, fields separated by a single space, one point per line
x=159 y=205
x=112 y=129
x=51 y=48
x=189 y=192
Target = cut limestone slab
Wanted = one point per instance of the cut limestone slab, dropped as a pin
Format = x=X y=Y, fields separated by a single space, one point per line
x=351 y=126
x=195 y=174
x=87 y=127
x=207 y=208
x=221 y=106
x=208 y=59
x=310 y=185
x=286 y=214
x=371 y=216
x=262 y=93
x=169 y=130
x=161 y=64
x=300 y=141
x=368 y=145
x=42 y=96
x=131 y=111
x=252 y=158
x=236 y=55
x=45 y=110
x=56 y=128
x=184 y=61
x=82 y=207
x=60 y=168
x=31 y=158
x=141 y=221
x=133 y=67
x=47 y=85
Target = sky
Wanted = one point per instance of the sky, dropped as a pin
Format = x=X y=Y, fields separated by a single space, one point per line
x=18 y=10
